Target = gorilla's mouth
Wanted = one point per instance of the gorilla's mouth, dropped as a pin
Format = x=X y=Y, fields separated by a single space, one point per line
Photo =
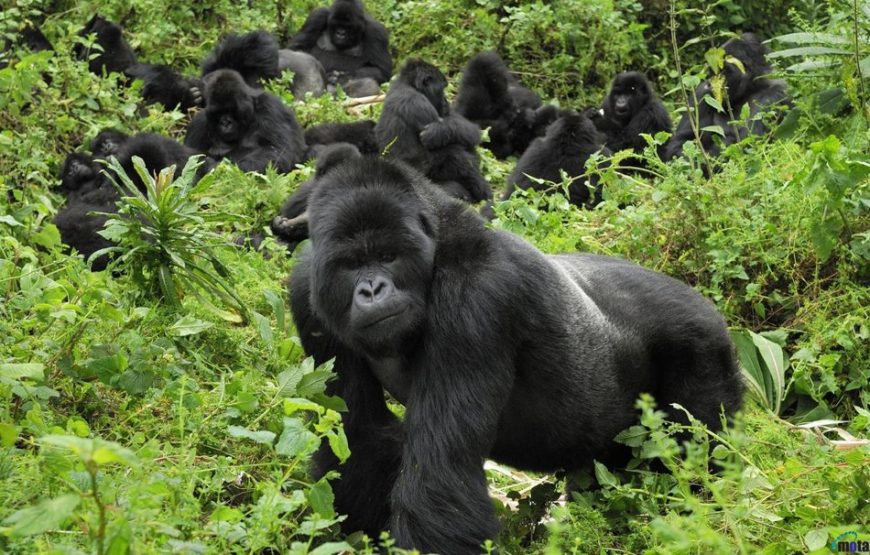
x=621 y=110
x=381 y=318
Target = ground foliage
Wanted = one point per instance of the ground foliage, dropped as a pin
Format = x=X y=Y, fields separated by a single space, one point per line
x=139 y=419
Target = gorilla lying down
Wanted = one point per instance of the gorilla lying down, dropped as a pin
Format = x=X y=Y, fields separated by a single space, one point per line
x=495 y=349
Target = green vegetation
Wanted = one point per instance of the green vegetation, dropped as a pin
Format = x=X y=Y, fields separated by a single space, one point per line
x=171 y=408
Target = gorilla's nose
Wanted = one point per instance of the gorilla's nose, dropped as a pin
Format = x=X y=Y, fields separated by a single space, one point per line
x=373 y=291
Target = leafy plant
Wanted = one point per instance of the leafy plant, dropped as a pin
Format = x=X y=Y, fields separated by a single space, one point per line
x=763 y=364
x=162 y=239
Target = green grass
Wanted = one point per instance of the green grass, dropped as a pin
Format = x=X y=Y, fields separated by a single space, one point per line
x=128 y=424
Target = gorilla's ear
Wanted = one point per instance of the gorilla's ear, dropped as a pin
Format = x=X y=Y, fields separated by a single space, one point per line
x=427 y=226
x=333 y=155
x=422 y=80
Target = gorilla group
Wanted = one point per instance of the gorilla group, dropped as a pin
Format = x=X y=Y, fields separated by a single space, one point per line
x=495 y=349
x=418 y=127
x=491 y=97
x=90 y=194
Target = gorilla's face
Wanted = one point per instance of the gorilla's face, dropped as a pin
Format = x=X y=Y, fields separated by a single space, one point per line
x=229 y=107
x=432 y=85
x=629 y=93
x=737 y=82
x=373 y=253
x=346 y=24
x=77 y=170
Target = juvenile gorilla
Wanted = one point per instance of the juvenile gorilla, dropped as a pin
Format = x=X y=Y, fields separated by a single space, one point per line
x=495 y=349
x=568 y=144
x=491 y=97
x=351 y=46
x=750 y=87
x=630 y=109
x=416 y=126
x=251 y=127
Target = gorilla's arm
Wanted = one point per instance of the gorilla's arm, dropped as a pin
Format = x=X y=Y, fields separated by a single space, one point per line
x=454 y=129
x=197 y=133
x=440 y=500
x=652 y=118
x=772 y=95
x=378 y=62
x=374 y=433
x=311 y=30
x=278 y=137
x=406 y=113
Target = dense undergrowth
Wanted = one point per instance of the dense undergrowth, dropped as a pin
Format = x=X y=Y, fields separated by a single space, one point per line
x=133 y=425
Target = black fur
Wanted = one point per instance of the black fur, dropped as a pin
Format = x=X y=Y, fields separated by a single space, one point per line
x=567 y=145
x=349 y=43
x=116 y=56
x=161 y=84
x=251 y=127
x=361 y=134
x=630 y=109
x=88 y=190
x=417 y=127
x=164 y=86
x=491 y=97
x=253 y=55
x=157 y=152
x=496 y=350
x=291 y=223
x=108 y=142
x=751 y=87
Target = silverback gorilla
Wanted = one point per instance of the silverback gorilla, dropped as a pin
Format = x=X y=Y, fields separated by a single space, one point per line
x=495 y=349
x=352 y=47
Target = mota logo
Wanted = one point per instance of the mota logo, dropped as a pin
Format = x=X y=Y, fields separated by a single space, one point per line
x=848 y=542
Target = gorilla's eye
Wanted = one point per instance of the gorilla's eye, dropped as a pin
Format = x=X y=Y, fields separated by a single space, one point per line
x=386 y=257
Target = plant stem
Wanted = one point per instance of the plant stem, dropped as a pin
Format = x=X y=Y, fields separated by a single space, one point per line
x=101 y=509
x=693 y=113
x=861 y=91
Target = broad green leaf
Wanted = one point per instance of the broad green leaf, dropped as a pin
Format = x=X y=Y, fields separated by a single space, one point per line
x=189 y=325
x=776 y=363
x=338 y=444
x=750 y=366
x=321 y=499
x=29 y=370
x=264 y=327
x=633 y=436
x=296 y=439
x=265 y=437
x=42 y=517
x=98 y=451
x=604 y=476
x=813 y=38
x=331 y=548
x=808 y=51
x=8 y=434
x=816 y=539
